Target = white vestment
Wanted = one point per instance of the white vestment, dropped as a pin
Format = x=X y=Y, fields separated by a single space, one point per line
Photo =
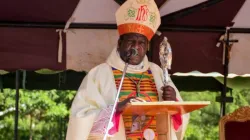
x=98 y=91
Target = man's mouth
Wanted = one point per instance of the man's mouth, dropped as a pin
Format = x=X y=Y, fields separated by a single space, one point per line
x=135 y=58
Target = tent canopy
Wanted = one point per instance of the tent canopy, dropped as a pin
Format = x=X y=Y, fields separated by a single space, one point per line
x=44 y=46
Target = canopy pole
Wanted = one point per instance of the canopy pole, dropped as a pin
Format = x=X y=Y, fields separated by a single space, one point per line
x=224 y=99
x=224 y=91
x=1 y=83
x=17 y=105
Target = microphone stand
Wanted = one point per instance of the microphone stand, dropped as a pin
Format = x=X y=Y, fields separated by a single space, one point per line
x=116 y=99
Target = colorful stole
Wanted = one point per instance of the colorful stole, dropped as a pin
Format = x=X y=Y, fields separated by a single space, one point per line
x=148 y=92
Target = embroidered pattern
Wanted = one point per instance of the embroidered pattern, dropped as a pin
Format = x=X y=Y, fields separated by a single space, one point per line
x=101 y=122
x=142 y=14
x=134 y=125
x=131 y=12
x=152 y=18
x=142 y=1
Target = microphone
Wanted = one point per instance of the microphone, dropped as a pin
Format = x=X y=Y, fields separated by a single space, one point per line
x=132 y=52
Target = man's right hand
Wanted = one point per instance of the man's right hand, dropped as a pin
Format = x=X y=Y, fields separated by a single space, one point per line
x=122 y=105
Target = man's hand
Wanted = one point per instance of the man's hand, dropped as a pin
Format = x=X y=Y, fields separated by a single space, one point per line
x=168 y=94
x=122 y=105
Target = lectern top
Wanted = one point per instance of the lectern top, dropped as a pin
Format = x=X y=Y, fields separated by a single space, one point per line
x=165 y=107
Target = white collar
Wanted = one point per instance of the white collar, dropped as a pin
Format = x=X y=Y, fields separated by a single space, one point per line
x=115 y=61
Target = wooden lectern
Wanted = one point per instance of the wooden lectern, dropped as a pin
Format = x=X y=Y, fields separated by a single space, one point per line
x=163 y=111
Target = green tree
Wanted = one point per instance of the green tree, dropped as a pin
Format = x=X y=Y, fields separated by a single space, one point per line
x=41 y=112
x=203 y=124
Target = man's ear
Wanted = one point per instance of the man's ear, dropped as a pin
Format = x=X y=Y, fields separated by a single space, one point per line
x=119 y=43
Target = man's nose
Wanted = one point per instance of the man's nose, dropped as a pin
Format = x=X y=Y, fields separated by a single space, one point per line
x=136 y=45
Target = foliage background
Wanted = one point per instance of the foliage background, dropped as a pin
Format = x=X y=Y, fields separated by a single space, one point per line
x=203 y=124
x=44 y=114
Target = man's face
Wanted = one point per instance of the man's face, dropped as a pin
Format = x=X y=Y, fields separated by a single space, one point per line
x=136 y=41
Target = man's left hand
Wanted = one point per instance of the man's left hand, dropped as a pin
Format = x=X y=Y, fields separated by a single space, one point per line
x=168 y=94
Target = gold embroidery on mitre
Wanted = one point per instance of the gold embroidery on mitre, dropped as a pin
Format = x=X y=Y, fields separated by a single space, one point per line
x=142 y=1
x=136 y=28
x=140 y=29
x=130 y=27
